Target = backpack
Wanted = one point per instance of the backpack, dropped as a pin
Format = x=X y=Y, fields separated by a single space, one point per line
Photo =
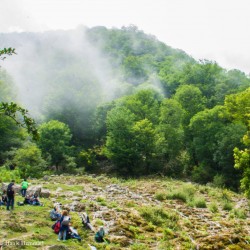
x=10 y=191
x=65 y=221
x=56 y=227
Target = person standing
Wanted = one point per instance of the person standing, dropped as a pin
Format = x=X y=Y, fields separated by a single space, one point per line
x=10 y=195
x=64 y=228
x=25 y=185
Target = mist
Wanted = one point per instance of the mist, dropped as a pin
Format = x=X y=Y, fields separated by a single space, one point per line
x=51 y=61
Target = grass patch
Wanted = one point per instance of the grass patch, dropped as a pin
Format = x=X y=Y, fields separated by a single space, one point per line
x=238 y=213
x=228 y=206
x=200 y=202
x=101 y=201
x=130 y=204
x=160 y=217
x=213 y=207
x=160 y=196
x=184 y=193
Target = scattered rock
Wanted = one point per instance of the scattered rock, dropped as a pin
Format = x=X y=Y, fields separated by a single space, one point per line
x=17 y=187
x=34 y=190
x=96 y=189
x=46 y=178
x=123 y=241
x=15 y=227
x=45 y=193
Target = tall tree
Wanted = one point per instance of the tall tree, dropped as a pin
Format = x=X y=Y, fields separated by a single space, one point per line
x=54 y=142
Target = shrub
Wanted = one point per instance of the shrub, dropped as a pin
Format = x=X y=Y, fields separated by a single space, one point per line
x=213 y=208
x=239 y=213
x=184 y=193
x=228 y=206
x=177 y=195
x=8 y=175
x=200 y=203
x=157 y=216
x=29 y=161
x=226 y=195
x=219 y=181
x=160 y=196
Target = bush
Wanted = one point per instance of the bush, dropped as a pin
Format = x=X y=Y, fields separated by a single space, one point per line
x=160 y=196
x=159 y=217
x=226 y=195
x=239 y=213
x=213 y=208
x=200 y=203
x=219 y=181
x=184 y=193
x=7 y=175
x=228 y=206
x=29 y=161
x=177 y=195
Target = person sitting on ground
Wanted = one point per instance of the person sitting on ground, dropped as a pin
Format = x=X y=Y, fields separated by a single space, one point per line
x=27 y=200
x=35 y=200
x=55 y=214
x=86 y=221
x=4 y=199
x=64 y=228
x=99 y=236
x=72 y=233
x=24 y=185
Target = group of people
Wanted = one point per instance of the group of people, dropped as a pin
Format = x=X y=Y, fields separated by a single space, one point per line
x=8 y=196
x=64 y=228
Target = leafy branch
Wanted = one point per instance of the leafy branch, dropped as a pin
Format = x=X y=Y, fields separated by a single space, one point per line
x=12 y=110
x=5 y=51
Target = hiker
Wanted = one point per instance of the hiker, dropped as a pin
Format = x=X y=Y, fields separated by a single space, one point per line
x=34 y=200
x=55 y=214
x=24 y=185
x=72 y=233
x=10 y=195
x=27 y=200
x=4 y=198
x=86 y=221
x=99 y=235
x=64 y=221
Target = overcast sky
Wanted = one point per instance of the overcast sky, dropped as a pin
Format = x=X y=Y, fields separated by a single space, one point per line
x=212 y=29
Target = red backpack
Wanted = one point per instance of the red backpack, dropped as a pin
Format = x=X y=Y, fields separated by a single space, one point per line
x=57 y=227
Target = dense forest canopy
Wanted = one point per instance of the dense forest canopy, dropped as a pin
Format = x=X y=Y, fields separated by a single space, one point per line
x=119 y=100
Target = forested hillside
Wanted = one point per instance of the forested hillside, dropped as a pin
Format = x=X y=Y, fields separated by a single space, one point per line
x=122 y=102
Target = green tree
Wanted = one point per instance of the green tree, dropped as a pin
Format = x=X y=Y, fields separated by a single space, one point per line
x=29 y=161
x=191 y=100
x=203 y=128
x=133 y=146
x=144 y=104
x=242 y=162
x=147 y=146
x=120 y=139
x=54 y=142
x=238 y=107
x=171 y=116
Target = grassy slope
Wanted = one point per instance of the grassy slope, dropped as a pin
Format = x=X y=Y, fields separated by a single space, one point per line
x=142 y=214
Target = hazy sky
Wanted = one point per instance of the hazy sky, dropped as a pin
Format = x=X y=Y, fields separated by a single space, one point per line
x=212 y=29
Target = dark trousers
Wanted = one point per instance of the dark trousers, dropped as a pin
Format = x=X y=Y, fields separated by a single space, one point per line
x=10 y=202
x=23 y=191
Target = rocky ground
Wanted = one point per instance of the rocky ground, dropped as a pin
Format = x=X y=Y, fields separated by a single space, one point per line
x=136 y=214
